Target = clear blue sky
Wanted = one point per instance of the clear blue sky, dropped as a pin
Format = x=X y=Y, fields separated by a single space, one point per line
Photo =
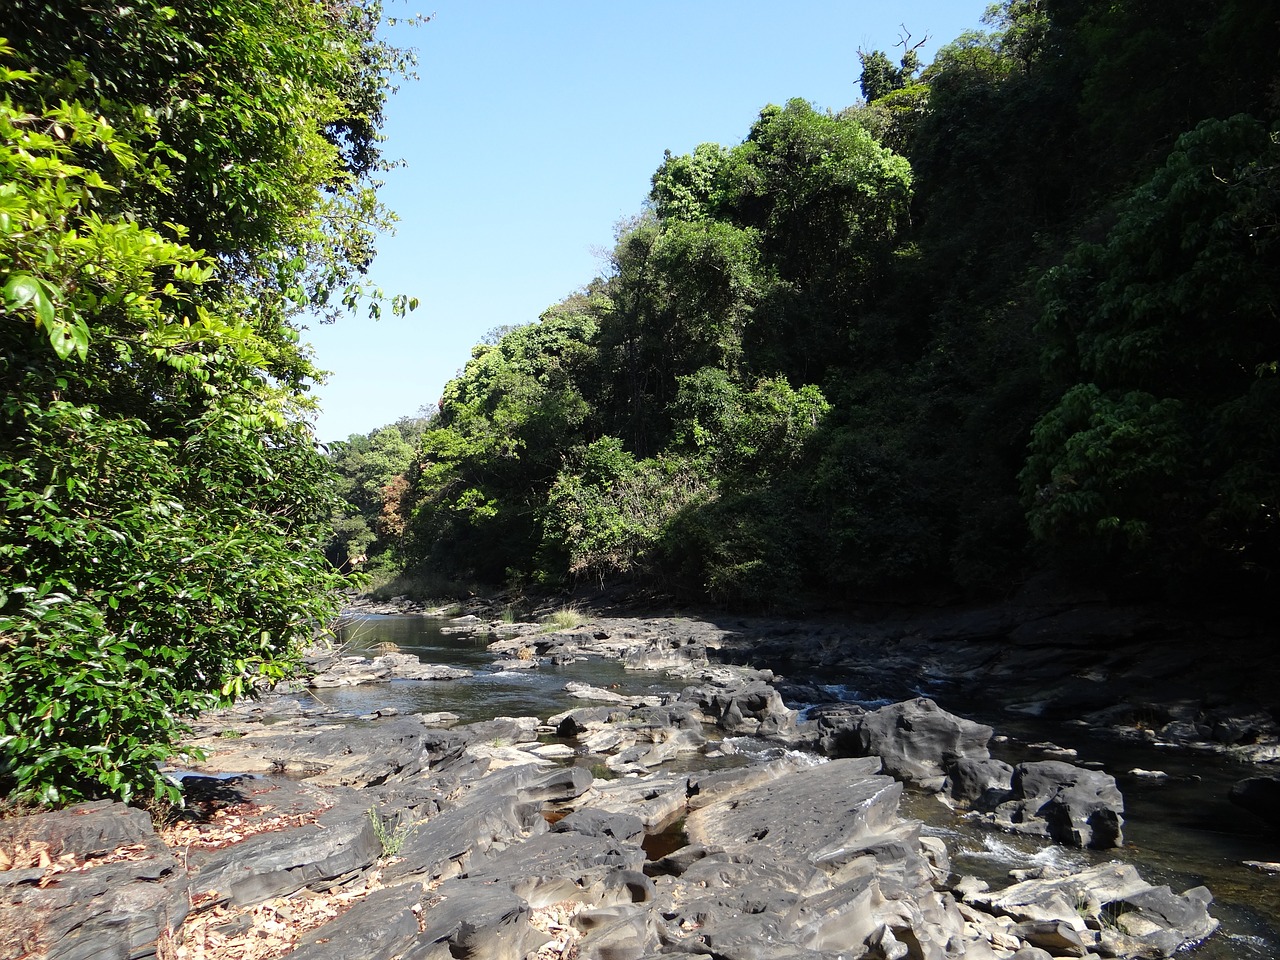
x=534 y=127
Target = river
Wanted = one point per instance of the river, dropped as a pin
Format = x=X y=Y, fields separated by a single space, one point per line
x=1179 y=829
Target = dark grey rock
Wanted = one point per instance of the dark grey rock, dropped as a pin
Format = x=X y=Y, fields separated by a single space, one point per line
x=380 y=927
x=1056 y=936
x=479 y=921
x=589 y=863
x=85 y=830
x=1070 y=804
x=111 y=910
x=754 y=707
x=446 y=845
x=618 y=932
x=620 y=827
x=916 y=740
x=979 y=784
x=340 y=846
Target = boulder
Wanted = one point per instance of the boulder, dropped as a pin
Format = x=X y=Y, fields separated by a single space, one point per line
x=979 y=784
x=1069 y=804
x=752 y=707
x=916 y=740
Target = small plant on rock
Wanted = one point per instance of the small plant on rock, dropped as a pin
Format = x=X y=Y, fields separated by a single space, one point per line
x=391 y=839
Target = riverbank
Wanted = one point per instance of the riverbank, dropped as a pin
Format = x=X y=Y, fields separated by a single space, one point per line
x=843 y=874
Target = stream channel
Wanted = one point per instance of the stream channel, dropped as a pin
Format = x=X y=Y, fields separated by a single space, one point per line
x=1180 y=830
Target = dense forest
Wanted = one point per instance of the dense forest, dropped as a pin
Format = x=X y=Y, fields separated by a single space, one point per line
x=1015 y=310
x=181 y=183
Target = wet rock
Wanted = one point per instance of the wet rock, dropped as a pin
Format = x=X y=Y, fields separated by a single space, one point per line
x=1069 y=804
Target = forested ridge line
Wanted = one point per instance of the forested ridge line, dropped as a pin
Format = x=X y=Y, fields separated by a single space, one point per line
x=1011 y=311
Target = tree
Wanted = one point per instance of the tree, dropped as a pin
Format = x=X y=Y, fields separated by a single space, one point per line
x=1161 y=458
x=484 y=468
x=176 y=184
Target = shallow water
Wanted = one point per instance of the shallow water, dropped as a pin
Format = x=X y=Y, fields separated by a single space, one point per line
x=1181 y=831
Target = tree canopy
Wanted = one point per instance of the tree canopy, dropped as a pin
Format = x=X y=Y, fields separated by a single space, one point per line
x=179 y=182
x=1013 y=309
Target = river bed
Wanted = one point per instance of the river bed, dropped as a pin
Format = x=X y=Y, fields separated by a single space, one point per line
x=1180 y=829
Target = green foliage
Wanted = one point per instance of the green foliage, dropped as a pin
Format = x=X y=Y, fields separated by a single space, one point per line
x=820 y=354
x=486 y=466
x=606 y=511
x=372 y=481
x=175 y=184
x=1164 y=455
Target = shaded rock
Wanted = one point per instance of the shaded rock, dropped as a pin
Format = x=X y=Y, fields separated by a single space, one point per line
x=1072 y=805
x=1260 y=796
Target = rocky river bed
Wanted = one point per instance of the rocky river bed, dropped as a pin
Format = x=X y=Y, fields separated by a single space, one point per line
x=663 y=792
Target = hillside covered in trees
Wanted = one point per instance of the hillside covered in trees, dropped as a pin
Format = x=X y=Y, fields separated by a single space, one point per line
x=1016 y=310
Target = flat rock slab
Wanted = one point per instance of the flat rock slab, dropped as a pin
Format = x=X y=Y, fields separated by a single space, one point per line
x=380 y=927
x=339 y=846
x=110 y=887
x=813 y=815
